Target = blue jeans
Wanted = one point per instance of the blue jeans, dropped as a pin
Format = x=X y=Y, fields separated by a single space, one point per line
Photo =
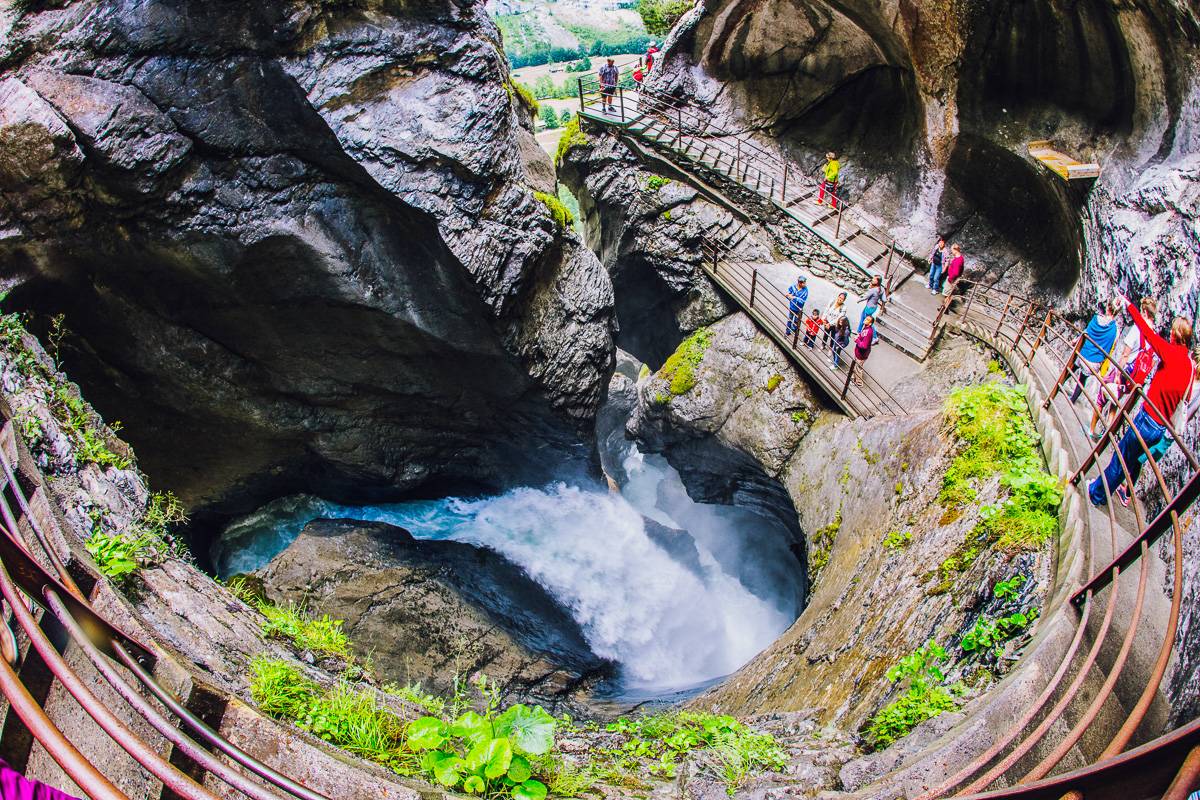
x=1130 y=449
x=935 y=277
x=868 y=311
x=793 y=320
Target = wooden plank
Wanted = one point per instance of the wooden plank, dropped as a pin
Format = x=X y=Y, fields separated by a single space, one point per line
x=1060 y=163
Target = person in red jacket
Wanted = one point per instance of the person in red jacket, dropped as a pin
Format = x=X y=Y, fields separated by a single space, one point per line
x=651 y=52
x=1169 y=386
x=954 y=269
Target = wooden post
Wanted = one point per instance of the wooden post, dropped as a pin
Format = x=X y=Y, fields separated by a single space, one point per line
x=849 y=374
x=1003 y=314
x=753 y=285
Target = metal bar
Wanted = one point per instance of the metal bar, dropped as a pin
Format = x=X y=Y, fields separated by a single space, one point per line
x=211 y=737
x=621 y=95
x=753 y=286
x=1041 y=335
x=837 y=231
x=783 y=191
x=43 y=540
x=32 y=579
x=581 y=105
x=156 y=720
x=1003 y=314
x=1124 y=410
x=141 y=752
x=1187 y=779
x=1181 y=501
x=65 y=754
x=849 y=373
x=1021 y=330
x=1063 y=375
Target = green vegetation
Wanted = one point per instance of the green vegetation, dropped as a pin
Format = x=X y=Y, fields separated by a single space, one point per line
x=527 y=42
x=680 y=366
x=562 y=217
x=321 y=635
x=1009 y=589
x=572 y=205
x=897 y=540
x=800 y=417
x=468 y=744
x=993 y=422
x=549 y=117
x=656 y=182
x=118 y=554
x=774 y=381
x=924 y=698
x=989 y=635
x=572 y=136
x=659 y=16
x=525 y=97
x=821 y=546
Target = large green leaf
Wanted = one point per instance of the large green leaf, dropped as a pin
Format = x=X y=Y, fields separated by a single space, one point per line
x=529 y=790
x=531 y=729
x=449 y=771
x=426 y=733
x=493 y=756
x=474 y=785
x=519 y=770
x=472 y=727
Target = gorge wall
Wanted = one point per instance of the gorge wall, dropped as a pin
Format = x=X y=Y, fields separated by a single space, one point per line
x=297 y=246
x=932 y=105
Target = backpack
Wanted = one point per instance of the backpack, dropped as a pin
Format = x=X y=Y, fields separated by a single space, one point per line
x=1183 y=411
x=1139 y=368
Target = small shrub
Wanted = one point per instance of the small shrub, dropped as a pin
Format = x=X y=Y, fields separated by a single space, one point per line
x=774 y=381
x=680 y=367
x=149 y=540
x=561 y=215
x=656 y=182
x=989 y=635
x=667 y=215
x=1009 y=589
x=549 y=117
x=924 y=698
x=897 y=540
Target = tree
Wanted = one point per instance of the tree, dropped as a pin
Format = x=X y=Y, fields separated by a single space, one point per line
x=566 y=117
x=549 y=117
x=659 y=16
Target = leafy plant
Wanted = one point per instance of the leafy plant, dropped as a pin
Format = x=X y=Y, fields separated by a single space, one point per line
x=118 y=554
x=680 y=367
x=1009 y=589
x=656 y=182
x=896 y=540
x=659 y=16
x=924 y=698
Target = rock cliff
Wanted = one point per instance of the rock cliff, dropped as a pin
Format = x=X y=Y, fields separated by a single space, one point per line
x=297 y=245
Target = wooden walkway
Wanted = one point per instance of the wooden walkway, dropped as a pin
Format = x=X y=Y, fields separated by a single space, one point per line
x=1062 y=164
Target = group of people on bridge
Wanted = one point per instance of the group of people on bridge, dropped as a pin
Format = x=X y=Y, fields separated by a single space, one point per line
x=610 y=76
x=833 y=328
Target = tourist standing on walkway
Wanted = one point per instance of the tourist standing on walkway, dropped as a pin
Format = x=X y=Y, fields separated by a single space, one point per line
x=862 y=348
x=829 y=180
x=1169 y=387
x=651 y=52
x=812 y=328
x=839 y=341
x=1135 y=362
x=954 y=269
x=638 y=77
x=797 y=297
x=836 y=312
x=1098 y=342
x=609 y=76
x=873 y=300
x=936 y=274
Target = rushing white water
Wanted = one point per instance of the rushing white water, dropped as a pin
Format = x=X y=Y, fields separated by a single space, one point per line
x=669 y=621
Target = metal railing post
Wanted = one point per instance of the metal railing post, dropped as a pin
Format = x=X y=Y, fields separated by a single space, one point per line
x=753 y=285
x=1003 y=314
x=849 y=374
x=1041 y=335
x=580 y=81
x=621 y=95
x=1021 y=330
x=783 y=191
x=1066 y=370
x=837 y=233
x=738 y=160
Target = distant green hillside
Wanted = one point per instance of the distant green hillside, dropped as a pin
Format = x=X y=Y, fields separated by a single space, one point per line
x=545 y=32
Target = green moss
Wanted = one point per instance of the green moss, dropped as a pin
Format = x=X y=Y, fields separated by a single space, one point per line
x=667 y=215
x=656 y=182
x=524 y=97
x=992 y=420
x=774 y=381
x=821 y=546
x=801 y=417
x=680 y=366
x=562 y=216
x=572 y=136
x=897 y=540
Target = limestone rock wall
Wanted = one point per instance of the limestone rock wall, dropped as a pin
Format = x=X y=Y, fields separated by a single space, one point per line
x=297 y=244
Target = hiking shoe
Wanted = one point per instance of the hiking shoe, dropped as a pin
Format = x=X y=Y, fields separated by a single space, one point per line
x=1123 y=496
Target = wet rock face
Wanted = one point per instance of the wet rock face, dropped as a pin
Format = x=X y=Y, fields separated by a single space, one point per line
x=297 y=247
x=964 y=87
x=432 y=611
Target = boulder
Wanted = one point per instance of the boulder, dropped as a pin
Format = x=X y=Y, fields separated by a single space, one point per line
x=429 y=612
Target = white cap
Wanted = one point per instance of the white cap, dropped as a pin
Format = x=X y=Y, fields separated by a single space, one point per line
x=652 y=44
